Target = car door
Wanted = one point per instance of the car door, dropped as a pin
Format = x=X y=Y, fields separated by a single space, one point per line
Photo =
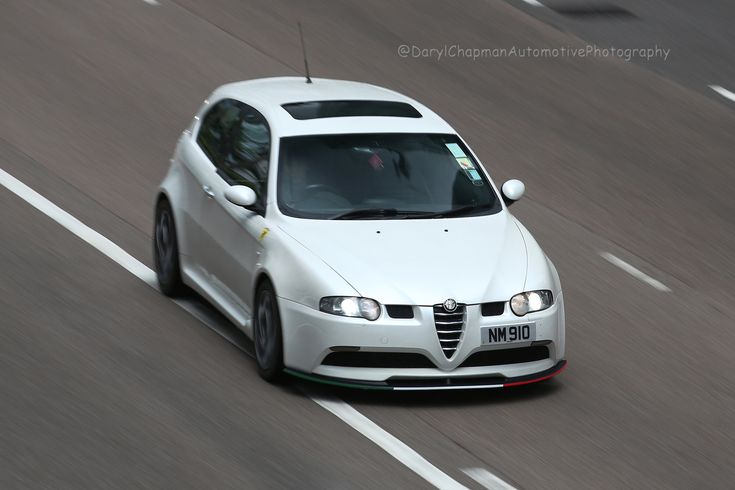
x=198 y=154
x=230 y=244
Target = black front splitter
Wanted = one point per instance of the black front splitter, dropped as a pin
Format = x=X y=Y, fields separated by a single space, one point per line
x=426 y=384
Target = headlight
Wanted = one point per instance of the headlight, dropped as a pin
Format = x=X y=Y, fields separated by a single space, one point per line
x=350 y=306
x=531 y=301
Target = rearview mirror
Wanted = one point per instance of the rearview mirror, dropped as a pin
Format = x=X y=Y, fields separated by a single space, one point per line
x=512 y=190
x=240 y=195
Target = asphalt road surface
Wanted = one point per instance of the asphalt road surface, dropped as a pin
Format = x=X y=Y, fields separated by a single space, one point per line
x=697 y=36
x=107 y=384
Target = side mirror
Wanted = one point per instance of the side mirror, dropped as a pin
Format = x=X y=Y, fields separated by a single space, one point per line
x=512 y=190
x=240 y=195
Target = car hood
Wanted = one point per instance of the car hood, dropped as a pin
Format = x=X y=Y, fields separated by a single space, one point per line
x=421 y=262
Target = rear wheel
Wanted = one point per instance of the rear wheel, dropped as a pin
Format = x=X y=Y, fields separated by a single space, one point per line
x=166 y=251
x=267 y=334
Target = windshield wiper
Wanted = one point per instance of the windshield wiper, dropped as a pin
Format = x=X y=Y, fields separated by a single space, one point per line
x=376 y=213
x=454 y=211
x=388 y=213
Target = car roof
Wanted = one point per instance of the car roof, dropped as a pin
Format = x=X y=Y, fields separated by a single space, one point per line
x=267 y=95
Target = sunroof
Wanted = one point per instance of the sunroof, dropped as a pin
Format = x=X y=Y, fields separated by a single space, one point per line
x=349 y=108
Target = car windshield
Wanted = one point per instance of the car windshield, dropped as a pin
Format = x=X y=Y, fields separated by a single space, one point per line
x=381 y=176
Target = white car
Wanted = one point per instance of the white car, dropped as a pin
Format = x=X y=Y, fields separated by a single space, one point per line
x=355 y=237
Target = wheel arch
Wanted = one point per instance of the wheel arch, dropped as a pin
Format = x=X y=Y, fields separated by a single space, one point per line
x=160 y=196
x=261 y=278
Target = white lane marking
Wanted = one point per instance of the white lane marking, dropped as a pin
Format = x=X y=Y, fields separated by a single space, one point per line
x=487 y=479
x=723 y=92
x=635 y=272
x=393 y=446
x=152 y=2
x=101 y=243
x=535 y=3
x=388 y=443
x=107 y=247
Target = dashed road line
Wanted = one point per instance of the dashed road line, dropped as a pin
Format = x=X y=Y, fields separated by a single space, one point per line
x=534 y=3
x=723 y=92
x=344 y=411
x=635 y=272
x=487 y=479
x=388 y=443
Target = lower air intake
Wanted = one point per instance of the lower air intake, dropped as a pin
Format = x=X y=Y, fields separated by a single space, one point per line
x=365 y=359
x=517 y=355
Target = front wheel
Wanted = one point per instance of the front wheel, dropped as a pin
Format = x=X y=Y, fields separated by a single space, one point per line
x=267 y=334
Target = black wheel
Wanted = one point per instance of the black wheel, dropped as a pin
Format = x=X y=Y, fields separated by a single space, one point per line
x=267 y=335
x=166 y=251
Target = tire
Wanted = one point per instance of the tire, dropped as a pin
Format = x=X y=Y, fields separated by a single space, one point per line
x=267 y=334
x=166 y=251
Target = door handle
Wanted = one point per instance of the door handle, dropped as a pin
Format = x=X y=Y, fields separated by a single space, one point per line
x=208 y=191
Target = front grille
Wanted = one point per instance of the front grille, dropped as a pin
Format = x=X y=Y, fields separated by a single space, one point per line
x=449 y=327
x=507 y=356
x=367 y=359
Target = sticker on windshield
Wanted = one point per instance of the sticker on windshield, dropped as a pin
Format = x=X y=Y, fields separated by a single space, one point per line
x=474 y=176
x=465 y=163
x=456 y=150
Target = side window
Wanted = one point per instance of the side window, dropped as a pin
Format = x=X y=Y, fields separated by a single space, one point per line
x=246 y=162
x=214 y=134
x=236 y=138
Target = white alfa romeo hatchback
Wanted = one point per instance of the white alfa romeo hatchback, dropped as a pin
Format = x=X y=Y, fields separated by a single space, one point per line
x=355 y=237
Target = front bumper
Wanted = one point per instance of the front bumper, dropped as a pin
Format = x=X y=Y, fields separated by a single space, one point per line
x=432 y=384
x=310 y=336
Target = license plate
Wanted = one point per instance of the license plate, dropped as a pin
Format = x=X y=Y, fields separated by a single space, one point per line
x=509 y=334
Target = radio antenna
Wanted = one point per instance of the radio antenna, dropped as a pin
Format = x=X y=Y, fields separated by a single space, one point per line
x=303 y=49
